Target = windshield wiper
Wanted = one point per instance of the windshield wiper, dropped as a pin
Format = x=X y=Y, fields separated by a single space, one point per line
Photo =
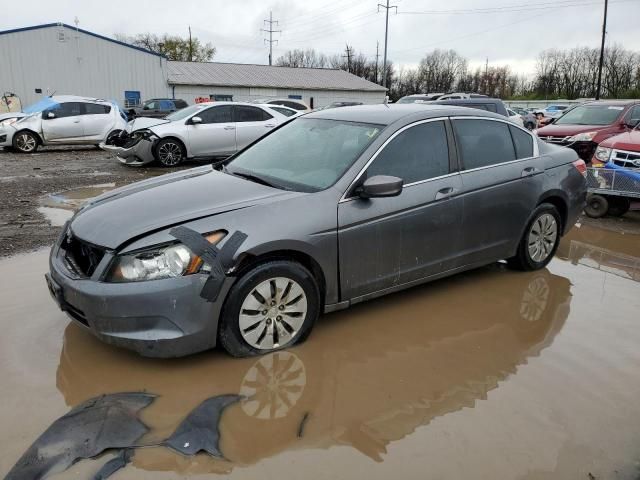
x=253 y=178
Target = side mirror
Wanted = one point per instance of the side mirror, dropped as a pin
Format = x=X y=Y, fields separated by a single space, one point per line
x=380 y=186
x=51 y=115
x=196 y=120
x=633 y=122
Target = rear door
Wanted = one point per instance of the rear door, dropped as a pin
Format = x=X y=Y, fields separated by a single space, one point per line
x=502 y=181
x=216 y=135
x=251 y=124
x=387 y=242
x=66 y=124
x=96 y=121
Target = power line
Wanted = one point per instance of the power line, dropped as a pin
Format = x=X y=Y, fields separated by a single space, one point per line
x=387 y=7
x=271 y=31
x=504 y=8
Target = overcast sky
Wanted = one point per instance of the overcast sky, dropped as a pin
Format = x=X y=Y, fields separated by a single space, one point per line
x=506 y=31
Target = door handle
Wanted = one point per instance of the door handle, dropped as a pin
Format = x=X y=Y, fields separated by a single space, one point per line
x=527 y=172
x=229 y=127
x=446 y=192
x=76 y=121
x=270 y=125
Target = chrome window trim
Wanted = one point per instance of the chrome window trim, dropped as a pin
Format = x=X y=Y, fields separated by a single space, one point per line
x=344 y=197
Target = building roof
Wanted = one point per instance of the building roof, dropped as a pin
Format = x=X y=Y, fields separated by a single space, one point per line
x=59 y=24
x=265 y=76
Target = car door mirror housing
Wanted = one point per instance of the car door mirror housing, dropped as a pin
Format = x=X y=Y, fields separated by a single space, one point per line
x=633 y=122
x=380 y=186
x=196 y=120
x=51 y=115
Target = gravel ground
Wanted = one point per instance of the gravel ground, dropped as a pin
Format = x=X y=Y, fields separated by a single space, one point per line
x=26 y=179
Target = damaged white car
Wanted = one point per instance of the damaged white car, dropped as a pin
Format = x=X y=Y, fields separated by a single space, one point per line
x=62 y=120
x=206 y=130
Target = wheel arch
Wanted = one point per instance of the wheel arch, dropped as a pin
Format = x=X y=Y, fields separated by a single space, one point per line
x=558 y=199
x=38 y=136
x=170 y=137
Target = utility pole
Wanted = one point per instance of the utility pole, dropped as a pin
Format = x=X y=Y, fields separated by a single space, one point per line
x=190 y=46
x=377 y=56
x=348 y=57
x=270 y=31
x=386 y=37
x=486 y=76
x=604 y=34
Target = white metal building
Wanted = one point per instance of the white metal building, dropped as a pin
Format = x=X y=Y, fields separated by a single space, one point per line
x=318 y=87
x=58 y=58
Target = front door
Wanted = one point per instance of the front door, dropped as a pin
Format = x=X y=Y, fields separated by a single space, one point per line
x=251 y=124
x=502 y=182
x=215 y=135
x=63 y=123
x=387 y=242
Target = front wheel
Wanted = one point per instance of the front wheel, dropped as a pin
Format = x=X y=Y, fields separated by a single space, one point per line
x=170 y=152
x=272 y=306
x=25 y=142
x=540 y=240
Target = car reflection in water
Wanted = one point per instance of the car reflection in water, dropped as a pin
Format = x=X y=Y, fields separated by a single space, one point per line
x=372 y=375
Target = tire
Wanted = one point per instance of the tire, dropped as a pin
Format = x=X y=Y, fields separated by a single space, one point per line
x=170 y=152
x=25 y=142
x=597 y=206
x=540 y=240
x=618 y=206
x=250 y=326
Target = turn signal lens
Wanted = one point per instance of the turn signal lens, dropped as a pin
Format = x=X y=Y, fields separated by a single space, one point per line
x=581 y=167
x=196 y=262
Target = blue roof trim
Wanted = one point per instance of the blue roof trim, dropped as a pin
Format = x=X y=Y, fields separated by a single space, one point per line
x=102 y=37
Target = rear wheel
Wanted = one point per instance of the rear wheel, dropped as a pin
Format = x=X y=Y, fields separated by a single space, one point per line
x=170 y=152
x=618 y=206
x=597 y=206
x=272 y=306
x=25 y=142
x=540 y=240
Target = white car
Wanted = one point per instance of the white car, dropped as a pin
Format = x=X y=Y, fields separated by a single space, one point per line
x=286 y=102
x=61 y=120
x=204 y=130
x=515 y=117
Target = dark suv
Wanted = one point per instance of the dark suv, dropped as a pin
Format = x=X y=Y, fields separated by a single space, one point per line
x=583 y=127
x=157 y=108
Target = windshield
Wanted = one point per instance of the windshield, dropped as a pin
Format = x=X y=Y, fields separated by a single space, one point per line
x=591 y=115
x=306 y=154
x=185 y=112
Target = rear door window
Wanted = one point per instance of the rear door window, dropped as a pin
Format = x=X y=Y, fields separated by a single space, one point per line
x=250 y=114
x=418 y=153
x=96 y=109
x=483 y=143
x=522 y=141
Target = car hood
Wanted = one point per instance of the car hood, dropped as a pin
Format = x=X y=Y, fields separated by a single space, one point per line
x=114 y=218
x=4 y=116
x=145 y=122
x=568 y=130
x=625 y=141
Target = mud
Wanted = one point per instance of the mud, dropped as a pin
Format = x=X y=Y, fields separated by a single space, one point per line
x=488 y=374
x=26 y=179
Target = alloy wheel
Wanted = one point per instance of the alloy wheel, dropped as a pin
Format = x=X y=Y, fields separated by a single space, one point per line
x=273 y=313
x=542 y=237
x=25 y=142
x=170 y=154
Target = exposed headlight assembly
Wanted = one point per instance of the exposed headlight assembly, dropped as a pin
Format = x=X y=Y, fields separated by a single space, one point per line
x=583 y=137
x=603 y=154
x=168 y=261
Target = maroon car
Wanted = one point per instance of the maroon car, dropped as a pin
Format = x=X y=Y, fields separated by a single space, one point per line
x=583 y=127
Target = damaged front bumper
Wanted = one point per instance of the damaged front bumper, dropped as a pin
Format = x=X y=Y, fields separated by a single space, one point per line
x=156 y=318
x=133 y=149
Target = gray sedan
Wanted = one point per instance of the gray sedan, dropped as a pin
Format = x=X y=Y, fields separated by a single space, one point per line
x=326 y=211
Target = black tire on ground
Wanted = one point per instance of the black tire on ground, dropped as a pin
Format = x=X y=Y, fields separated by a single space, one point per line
x=25 y=142
x=229 y=335
x=618 y=206
x=523 y=260
x=597 y=206
x=170 y=152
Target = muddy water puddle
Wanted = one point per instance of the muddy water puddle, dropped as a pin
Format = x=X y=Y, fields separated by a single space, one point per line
x=57 y=208
x=489 y=374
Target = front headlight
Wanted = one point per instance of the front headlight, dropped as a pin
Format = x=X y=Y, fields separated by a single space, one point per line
x=8 y=121
x=603 y=154
x=583 y=137
x=168 y=261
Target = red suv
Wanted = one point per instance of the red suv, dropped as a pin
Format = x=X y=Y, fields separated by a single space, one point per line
x=583 y=127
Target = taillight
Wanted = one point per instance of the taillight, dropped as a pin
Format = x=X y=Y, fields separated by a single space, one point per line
x=581 y=167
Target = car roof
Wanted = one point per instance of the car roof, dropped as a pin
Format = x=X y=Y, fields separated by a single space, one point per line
x=76 y=98
x=468 y=100
x=612 y=102
x=382 y=114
